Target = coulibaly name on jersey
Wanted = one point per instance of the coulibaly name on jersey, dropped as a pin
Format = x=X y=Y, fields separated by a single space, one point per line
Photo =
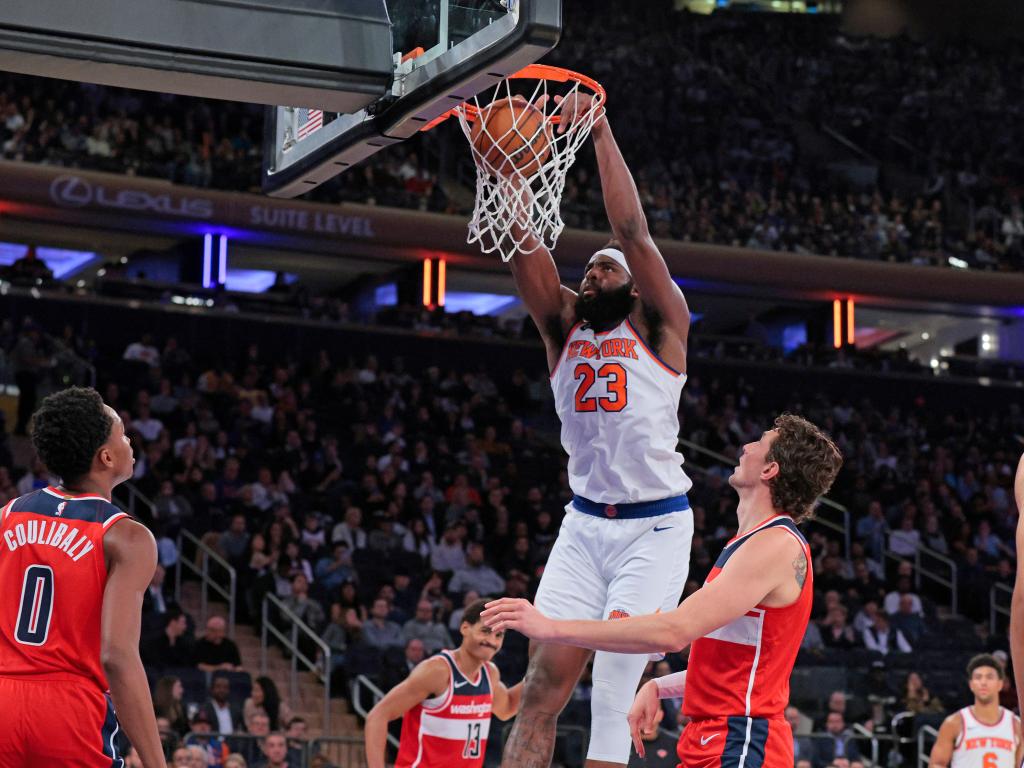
x=50 y=533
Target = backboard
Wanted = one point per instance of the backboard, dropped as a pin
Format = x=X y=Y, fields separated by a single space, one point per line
x=445 y=52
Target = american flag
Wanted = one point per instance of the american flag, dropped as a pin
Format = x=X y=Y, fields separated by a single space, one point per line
x=310 y=120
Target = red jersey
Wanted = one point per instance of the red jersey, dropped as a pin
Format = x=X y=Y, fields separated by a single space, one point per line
x=450 y=729
x=743 y=668
x=52 y=577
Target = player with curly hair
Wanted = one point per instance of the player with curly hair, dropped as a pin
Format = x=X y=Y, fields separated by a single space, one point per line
x=73 y=571
x=743 y=627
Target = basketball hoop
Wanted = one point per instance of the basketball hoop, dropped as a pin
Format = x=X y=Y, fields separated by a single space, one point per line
x=520 y=178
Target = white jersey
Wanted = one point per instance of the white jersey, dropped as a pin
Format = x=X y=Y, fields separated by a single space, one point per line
x=619 y=407
x=986 y=746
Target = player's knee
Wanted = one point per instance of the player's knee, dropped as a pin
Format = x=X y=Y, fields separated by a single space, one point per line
x=609 y=731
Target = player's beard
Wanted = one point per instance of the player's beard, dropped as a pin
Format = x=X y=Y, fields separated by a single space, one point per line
x=606 y=308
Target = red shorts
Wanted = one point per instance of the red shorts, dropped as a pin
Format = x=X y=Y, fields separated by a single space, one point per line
x=56 y=723
x=736 y=742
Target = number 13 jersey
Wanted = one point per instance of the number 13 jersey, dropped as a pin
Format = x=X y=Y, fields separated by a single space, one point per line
x=450 y=729
x=52 y=577
x=619 y=407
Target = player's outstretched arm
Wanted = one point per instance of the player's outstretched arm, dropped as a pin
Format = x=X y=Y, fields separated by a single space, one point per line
x=131 y=560
x=772 y=563
x=942 y=751
x=428 y=679
x=506 y=700
x=1017 y=602
x=642 y=716
x=629 y=225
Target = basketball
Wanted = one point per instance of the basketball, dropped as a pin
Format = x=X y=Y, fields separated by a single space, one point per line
x=511 y=134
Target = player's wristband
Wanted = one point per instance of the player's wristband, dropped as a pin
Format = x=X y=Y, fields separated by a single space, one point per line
x=671 y=686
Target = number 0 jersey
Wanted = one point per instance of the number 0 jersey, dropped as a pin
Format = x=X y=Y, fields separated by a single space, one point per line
x=451 y=729
x=981 y=745
x=619 y=407
x=52 y=577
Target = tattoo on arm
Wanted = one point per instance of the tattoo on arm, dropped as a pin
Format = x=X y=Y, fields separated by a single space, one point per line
x=800 y=570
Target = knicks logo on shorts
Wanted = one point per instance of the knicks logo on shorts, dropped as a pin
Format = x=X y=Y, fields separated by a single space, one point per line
x=618 y=614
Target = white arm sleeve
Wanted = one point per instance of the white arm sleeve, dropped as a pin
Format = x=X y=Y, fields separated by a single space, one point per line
x=671 y=686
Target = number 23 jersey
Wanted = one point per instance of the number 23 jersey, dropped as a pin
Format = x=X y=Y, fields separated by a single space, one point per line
x=52 y=578
x=619 y=407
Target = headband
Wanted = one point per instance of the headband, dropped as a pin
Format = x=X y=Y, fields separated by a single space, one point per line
x=615 y=255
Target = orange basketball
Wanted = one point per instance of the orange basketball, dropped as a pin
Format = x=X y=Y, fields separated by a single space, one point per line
x=511 y=134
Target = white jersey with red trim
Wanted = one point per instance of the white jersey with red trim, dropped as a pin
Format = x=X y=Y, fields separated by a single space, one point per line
x=450 y=729
x=619 y=407
x=986 y=746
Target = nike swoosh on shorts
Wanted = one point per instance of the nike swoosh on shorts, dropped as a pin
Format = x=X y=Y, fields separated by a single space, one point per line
x=665 y=528
x=705 y=739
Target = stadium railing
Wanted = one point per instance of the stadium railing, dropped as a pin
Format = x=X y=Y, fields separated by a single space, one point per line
x=293 y=646
x=205 y=556
x=840 y=515
x=924 y=569
x=995 y=608
x=131 y=500
x=923 y=752
x=362 y=684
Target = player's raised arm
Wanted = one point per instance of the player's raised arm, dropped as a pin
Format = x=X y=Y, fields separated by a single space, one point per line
x=426 y=680
x=772 y=565
x=945 y=742
x=1017 y=602
x=506 y=700
x=131 y=560
x=629 y=225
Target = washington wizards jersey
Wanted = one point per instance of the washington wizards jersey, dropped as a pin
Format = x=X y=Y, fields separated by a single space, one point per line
x=450 y=729
x=984 y=745
x=619 y=407
x=743 y=668
x=52 y=577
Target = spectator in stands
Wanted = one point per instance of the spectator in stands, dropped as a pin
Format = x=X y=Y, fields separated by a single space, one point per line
x=234 y=542
x=28 y=269
x=154 y=602
x=257 y=726
x=172 y=508
x=449 y=554
x=396 y=669
x=906 y=539
x=334 y=570
x=803 y=748
x=181 y=758
x=235 y=760
x=143 y=351
x=267 y=700
x=214 y=748
x=904 y=588
x=350 y=530
x=302 y=605
x=296 y=736
x=883 y=639
x=907 y=621
x=839 y=744
x=379 y=631
x=171 y=647
x=836 y=633
x=423 y=627
x=28 y=359
x=169 y=739
x=216 y=651
x=477 y=575
x=167 y=703
x=865 y=586
x=275 y=753
x=872 y=530
x=225 y=716
x=917 y=698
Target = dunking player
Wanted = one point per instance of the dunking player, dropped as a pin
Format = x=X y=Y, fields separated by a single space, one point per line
x=446 y=704
x=73 y=570
x=983 y=735
x=617 y=356
x=744 y=625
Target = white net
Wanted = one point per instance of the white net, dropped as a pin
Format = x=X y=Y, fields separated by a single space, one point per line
x=523 y=145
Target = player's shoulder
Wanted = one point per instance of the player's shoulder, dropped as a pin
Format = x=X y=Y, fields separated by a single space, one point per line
x=954 y=722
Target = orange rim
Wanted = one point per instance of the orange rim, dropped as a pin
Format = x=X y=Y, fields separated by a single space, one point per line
x=530 y=72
